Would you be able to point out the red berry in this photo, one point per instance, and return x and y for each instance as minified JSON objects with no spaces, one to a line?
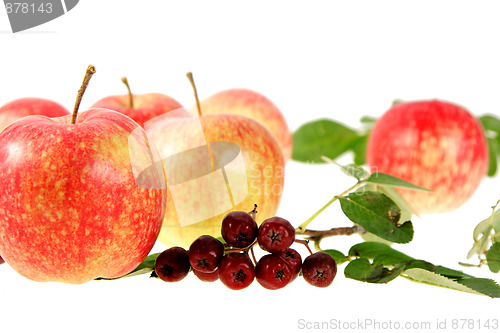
{"x":205,"y":253}
{"x":319,"y":269}
{"x":275,"y":234}
{"x":239,"y":229}
{"x":236,"y":270}
{"x":293,"y":259}
{"x":272,"y":272}
{"x":172,"y":265}
{"x":207,"y":277}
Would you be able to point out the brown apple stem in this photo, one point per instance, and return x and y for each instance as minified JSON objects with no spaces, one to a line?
{"x":190,"y":77}
{"x":130,"y":96}
{"x":88,"y":74}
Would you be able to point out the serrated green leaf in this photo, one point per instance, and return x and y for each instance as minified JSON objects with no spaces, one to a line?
{"x":388,"y":263}
{"x":321,"y":138}
{"x":385,"y":179}
{"x":428,"y":277}
{"x":361,"y":270}
{"x":484,"y":286}
{"x":377,"y":214}
{"x":493,"y":258}
{"x":339,"y":257}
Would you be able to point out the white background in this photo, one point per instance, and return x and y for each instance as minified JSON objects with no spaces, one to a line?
{"x":314,"y":59}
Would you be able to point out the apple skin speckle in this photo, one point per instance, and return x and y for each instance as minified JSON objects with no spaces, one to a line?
{"x":70,"y":209}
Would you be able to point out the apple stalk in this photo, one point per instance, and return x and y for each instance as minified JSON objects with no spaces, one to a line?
{"x":88,"y":75}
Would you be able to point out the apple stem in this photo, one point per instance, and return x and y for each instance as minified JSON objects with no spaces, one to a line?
{"x":130,"y":96}
{"x":88,"y":74}
{"x":190,"y":77}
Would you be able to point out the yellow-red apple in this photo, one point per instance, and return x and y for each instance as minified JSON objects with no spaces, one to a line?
{"x":434,"y":144}
{"x":28,"y":106}
{"x":256,"y":106}
{"x":215,"y":163}
{"x":76,"y":203}
{"x":140,"y":108}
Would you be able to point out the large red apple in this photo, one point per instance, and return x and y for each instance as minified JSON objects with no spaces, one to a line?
{"x":140,"y":108}
{"x":215,"y":163}
{"x":434,"y":144}
{"x":28,"y":106}
{"x":252,"y":104}
{"x":76,"y":203}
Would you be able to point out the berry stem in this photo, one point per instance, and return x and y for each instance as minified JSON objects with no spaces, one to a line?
{"x":342,"y":231}
{"x":130,"y":96}
{"x":88,"y":74}
{"x":253,"y":213}
{"x":304,"y":242}
{"x":304,"y":225}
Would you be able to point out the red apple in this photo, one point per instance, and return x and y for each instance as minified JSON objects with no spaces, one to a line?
{"x":434,"y":144}
{"x":28,"y":106}
{"x":140,"y":108}
{"x":241,"y":165}
{"x":73,"y":207}
{"x":256,"y":106}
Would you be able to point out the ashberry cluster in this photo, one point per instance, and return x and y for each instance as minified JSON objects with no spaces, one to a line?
{"x":234,"y":262}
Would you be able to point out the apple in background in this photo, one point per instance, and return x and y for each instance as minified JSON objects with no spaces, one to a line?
{"x":28,"y":106}
{"x":256,"y":106}
{"x":72,"y":208}
{"x":140,"y":108}
{"x":262,"y":171}
{"x":434,"y":144}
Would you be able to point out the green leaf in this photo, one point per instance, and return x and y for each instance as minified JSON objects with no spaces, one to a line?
{"x":358,"y":147}
{"x":493,"y":258}
{"x":388,"y":263}
{"x":407,"y":211}
{"x":321,"y":138}
{"x":380,"y":253}
{"x":385,"y":179}
{"x":368,"y":120}
{"x":361,"y":270}
{"x":352,"y":170}
{"x":490,"y":123}
{"x":147,"y":266}
{"x":339,"y":257}
{"x":377,"y":214}
{"x":494,"y":149}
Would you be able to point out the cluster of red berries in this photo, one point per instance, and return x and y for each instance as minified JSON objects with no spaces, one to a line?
{"x":211,"y":260}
